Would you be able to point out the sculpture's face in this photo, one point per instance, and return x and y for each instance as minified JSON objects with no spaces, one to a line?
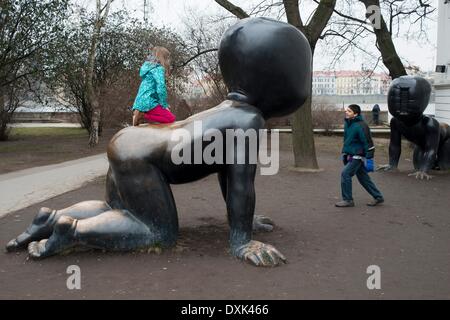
{"x":408,"y":98}
{"x":267,"y":64}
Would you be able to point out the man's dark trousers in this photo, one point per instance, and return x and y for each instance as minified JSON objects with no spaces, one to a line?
{"x":356,"y":166}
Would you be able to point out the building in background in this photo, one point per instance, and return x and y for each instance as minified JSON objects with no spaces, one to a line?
{"x":349,"y":83}
{"x":442,"y":75}
{"x":324,"y":83}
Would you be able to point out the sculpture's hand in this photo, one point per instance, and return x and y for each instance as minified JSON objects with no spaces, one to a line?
{"x":387,"y":167}
{"x":259,"y":254}
{"x":420,"y":175}
{"x":262,"y":224}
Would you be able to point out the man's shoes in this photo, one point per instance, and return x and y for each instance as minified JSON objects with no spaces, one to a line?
{"x":344,"y":203}
{"x":375,"y":202}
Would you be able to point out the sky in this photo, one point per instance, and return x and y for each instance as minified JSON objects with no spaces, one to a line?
{"x":171,"y":13}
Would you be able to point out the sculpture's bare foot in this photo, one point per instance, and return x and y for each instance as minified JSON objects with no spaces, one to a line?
{"x":260,"y":254}
{"x":61,"y":240}
{"x":262,"y":224}
{"x":40,"y":228}
{"x":420,"y":175}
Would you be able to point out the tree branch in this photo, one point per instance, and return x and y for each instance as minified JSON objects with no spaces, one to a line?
{"x":293,"y":13}
{"x":345,"y":16}
{"x":194,"y":57}
{"x":319,"y":21}
{"x":237,"y":11}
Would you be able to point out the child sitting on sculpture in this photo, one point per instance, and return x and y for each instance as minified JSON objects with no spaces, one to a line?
{"x":151,"y":104}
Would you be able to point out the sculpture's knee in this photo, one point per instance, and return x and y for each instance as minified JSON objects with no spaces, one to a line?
{"x":444,"y":156}
{"x":43,"y":215}
{"x":65,"y":226}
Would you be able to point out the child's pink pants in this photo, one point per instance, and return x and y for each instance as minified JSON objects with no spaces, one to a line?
{"x":159,"y":114}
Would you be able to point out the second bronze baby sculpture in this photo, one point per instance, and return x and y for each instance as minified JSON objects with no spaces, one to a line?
{"x":408,"y":98}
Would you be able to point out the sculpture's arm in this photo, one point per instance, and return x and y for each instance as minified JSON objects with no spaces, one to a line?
{"x":241,"y":206}
{"x":431,"y":146}
{"x":240,"y":200}
{"x":395,"y":144}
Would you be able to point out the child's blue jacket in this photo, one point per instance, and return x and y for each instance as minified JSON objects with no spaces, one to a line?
{"x":152,"y":90}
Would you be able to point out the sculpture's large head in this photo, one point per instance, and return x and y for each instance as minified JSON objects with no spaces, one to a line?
{"x":408,"y":98}
{"x":266,"y":63}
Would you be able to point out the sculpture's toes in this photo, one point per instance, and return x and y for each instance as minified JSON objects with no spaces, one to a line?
{"x":260,"y":254}
{"x":414,"y":174}
{"x":13,"y":245}
{"x":21,"y":242}
{"x":61,"y":240}
{"x":262,"y":224}
{"x":37,"y":250}
{"x":420,"y":175}
{"x":426,"y":176}
{"x":40,"y":228}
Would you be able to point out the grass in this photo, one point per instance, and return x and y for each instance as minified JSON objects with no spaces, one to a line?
{"x":24,"y":148}
{"x":33,"y":134}
{"x":40,"y":132}
{"x":32,"y":147}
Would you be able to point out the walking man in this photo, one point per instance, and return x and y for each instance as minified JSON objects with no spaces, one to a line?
{"x":357,"y":155}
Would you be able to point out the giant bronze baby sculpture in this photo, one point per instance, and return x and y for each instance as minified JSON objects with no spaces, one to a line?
{"x":408,"y":97}
{"x":266,"y":65}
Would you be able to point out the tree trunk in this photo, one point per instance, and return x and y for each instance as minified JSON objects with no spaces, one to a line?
{"x":92,"y":95}
{"x":93,"y":137}
{"x":302,"y":129}
{"x":385,"y":44}
{"x":303,"y":138}
{"x":4,"y":117}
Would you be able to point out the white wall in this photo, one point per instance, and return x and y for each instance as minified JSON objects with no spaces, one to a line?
{"x":443,"y":104}
{"x":443,"y":41}
{"x":442,"y":81}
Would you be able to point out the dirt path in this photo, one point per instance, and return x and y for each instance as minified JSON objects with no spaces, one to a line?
{"x":328,"y":249}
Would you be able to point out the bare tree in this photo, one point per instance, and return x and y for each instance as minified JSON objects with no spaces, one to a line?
{"x":383,"y":20}
{"x":28,"y":29}
{"x":303,"y":138}
{"x":383,"y":34}
{"x":9,"y":102}
{"x":121,"y":49}
{"x":201,"y":40}
{"x":326,"y":116}
{"x":91,"y":95}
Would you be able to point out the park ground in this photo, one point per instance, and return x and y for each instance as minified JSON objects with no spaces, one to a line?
{"x":34,"y":147}
{"x":328,"y":249}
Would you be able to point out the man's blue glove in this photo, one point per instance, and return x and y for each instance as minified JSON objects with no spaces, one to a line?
{"x":369,"y":165}
{"x":344,"y":159}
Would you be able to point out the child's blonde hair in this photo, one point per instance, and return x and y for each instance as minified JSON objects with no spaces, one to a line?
{"x":163,"y":56}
